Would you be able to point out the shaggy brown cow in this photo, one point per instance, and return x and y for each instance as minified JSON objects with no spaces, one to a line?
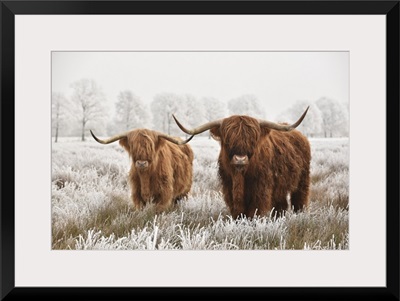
{"x":162,"y":167}
{"x":261,"y":164}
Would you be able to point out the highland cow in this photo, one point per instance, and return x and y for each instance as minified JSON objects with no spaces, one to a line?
{"x":161,"y":170}
{"x":262,"y":165}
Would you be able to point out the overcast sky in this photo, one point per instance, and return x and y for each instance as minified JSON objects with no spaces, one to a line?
{"x":277,"y":79}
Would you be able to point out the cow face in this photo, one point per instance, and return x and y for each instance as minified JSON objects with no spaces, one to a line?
{"x":239,"y":136}
{"x":142,"y":146}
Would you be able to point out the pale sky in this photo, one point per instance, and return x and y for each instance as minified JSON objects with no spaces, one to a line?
{"x":277,"y":79}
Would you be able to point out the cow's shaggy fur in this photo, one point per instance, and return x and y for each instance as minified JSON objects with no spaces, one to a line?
{"x":168,"y":174}
{"x":278,"y":167}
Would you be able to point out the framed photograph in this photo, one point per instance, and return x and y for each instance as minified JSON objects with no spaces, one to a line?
{"x":194,"y":149}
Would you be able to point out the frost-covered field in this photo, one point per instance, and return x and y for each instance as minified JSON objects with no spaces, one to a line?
{"x":92,"y":209}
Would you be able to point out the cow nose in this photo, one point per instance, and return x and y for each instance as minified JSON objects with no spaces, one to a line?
{"x":141,"y":163}
{"x":240,"y":160}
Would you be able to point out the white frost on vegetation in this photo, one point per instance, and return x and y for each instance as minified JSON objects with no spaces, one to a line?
{"x":92,"y":209}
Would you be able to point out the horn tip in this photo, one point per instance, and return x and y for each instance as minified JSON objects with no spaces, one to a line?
{"x":190,"y":138}
{"x":94,"y":137}
{"x":305,"y":112}
{"x":92,"y":134}
{"x":180,"y":125}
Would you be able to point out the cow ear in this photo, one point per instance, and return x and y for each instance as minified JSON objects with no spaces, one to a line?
{"x":124,"y":143}
{"x":159,"y":142}
{"x":215,"y":133}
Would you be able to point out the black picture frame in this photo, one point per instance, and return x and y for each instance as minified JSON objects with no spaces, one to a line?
{"x":9,"y":9}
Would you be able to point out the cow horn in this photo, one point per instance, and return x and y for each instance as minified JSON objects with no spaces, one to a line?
{"x":174,"y":140}
{"x":199,"y":129}
{"x":109,"y":140}
{"x":283,"y":127}
{"x":120,"y":136}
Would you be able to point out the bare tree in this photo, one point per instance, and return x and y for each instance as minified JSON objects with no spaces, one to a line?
{"x":162,"y":107}
{"x":246,"y":104}
{"x":214,"y":109}
{"x":59,"y":113}
{"x":312,"y":124}
{"x":193,"y":110}
{"x":190,"y":110}
{"x":88,"y":99}
{"x":335,"y":117}
{"x":131,"y":111}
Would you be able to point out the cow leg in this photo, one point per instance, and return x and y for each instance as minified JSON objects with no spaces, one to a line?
{"x":164,"y":200}
{"x":227,"y":194}
{"x":280,"y":206}
{"x":299,"y":198}
{"x":183,"y":195}
{"x":137,"y":199}
{"x":238,"y":203}
{"x":258,"y":197}
{"x":180,"y":197}
{"x":258,"y":208}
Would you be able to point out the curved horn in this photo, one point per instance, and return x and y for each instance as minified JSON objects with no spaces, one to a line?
{"x":199,"y":129}
{"x":109,"y":140}
{"x":283,"y":127}
{"x":174,"y":140}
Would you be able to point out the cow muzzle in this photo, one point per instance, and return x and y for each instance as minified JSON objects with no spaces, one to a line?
{"x":238,"y":160}
{"x":141,"y":164}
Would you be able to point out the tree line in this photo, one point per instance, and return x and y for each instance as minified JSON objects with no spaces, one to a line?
{"x":87,"y":108}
